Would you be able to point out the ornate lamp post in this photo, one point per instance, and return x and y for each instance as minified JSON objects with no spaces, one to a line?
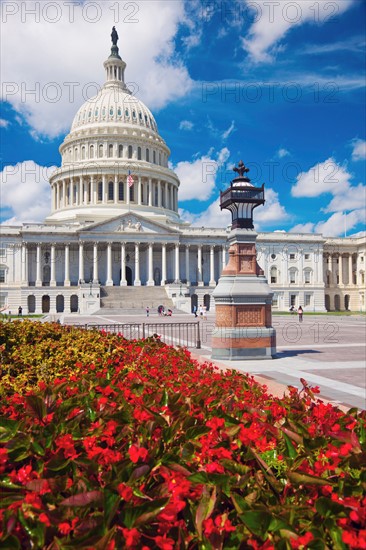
{"x":243,"y":328}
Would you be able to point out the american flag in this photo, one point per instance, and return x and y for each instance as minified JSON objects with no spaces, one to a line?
{"x":129,"y":179}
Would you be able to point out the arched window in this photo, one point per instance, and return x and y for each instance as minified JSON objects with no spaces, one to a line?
{"x":111,"y":111}
{"x":110,"y":150}
{"x":120,"y":151}
{"x":147,"y":155}
{"x":274,"y":274}
{"x":83,"y":153}
{"x":139,"y":156}
{"x":110,"y":191}
{"x":76,"y":153}
{"x":154,"y":157}
{"x":130,"y":151}
{"x":159,"y":159}
{"x":91,"y":152}
{"x":100,"y":151}
{"x":100,"y":191}
{"x":121,"y":191}
{"x":119,"y":112}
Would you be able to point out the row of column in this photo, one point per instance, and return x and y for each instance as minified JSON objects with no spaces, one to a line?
{"x":331,"y":268}
{"x":123,"y":281}
{"x":78,"y":191}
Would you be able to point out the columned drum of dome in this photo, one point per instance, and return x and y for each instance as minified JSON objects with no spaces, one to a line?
{"x":113,"y":159}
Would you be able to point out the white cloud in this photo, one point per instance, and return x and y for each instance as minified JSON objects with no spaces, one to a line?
{"x":281,"y":153}
{"x":39,"y":71}
{"x":25,"y":192}
{"x":274,"y":19}
{"x":340,"y":223}
{"x":186,"y":125}
{"x":198,"y":177}
{"x":272,"y":211}
{"x":351,"y":199}
{"x":229,"y":131}
{"x":325,"y":177}
{"x":359,"y":150}
{"x":211,"y":217}
{"x":4,"y":123}
{"x":303,"y":228}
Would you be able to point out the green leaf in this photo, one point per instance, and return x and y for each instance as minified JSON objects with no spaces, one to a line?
{"x":8,"y":429}
{"x":205,"y":507}
{"x":290,"y":448}
{"x":257,"y":522}
{"x":10,"y":543}
{"x":111,"y":503}
{"x":57,"y":463}
{"x":302,"y":479}
{"x":196,"y":432}
{"x":133,"y":516}
{"x":327,"y":507}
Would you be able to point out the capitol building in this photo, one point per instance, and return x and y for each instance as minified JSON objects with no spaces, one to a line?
{"x":114,"y":237}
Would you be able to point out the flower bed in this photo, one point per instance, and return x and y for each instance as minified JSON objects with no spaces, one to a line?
{"x":107,"y":443}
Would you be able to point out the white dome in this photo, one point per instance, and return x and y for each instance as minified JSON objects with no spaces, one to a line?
{"x":114,"y":105}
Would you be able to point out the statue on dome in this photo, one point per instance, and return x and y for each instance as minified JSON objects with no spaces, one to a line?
{"x":114,"y":36}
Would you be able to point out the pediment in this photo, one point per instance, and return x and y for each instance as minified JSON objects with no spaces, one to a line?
{"x":129,"y":223}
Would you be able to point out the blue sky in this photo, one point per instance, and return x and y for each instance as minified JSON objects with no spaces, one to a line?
{"x":279,"y":84}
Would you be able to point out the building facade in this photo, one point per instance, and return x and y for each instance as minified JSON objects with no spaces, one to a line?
{"x":114,"y":222}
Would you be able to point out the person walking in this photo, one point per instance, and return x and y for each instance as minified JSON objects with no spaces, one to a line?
{"x":20,"y":311}
{"x":300,"y":313}
{"x":195,"y":311}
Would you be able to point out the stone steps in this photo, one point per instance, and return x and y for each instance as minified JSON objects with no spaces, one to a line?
{"x":134,"y":298}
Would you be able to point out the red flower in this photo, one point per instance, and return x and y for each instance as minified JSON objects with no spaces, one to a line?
{"x":164,"y":543}
{"x":301,"y":542}
{"x":132,"y":537}
{"x":137,"y":453}
{"x":44,"y":519}
{"x":125,"y":492}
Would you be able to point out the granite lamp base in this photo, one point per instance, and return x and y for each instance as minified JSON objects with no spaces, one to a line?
{"x":239,"y":344}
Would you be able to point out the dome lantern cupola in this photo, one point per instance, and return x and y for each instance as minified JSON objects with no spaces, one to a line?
{"x":115,"y":66}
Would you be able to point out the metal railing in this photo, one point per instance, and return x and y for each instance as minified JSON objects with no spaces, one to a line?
{"x":174,"y":334}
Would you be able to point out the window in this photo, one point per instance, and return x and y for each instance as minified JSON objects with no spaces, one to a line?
{"x":154,"y":157}
{"x":120,"y":151}
{"x":292,"y":276}
{"x":91,"y":151}
{"x":292,"y":256}
{"x":110,"y":191}
{"x":83,"y":153}
{"x":274,"y":275}
{"x":293,"y":300}
{"x":110,"y":151}
{"x":275,"y":300}
{"x":2,"y":252}
{"x":3,"y":300}
{"x":100,"y":191}
{"x":307,"y":256}
{"x":2,"y":274}
{"x":130,"y":151}
{"x":139,"y":153}
{"x":121,"y":191}
{"x":307,"y":276}
{"x":132,"y":194}
{"x":100,"y":151}
{"x":273,"y":256}
{"x":147,"y":155}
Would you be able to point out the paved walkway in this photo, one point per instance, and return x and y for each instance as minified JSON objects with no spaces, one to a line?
{"x":327,"y":351}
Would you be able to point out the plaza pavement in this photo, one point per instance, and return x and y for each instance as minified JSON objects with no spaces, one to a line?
{"x":326,"y":350}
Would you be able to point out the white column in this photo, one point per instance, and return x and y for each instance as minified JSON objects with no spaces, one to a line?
{"x":81,"y":263}
{"x":137,"y":281}
{"x":38,"y":266}
{"x":95,"y":263}
{"x":67,"y":265}
{"x":177,"y":275}
{"x":94,"y":190}
{"x":166,"y":195}
{"x":139,"y":186}
{"x":104,"y":199}
{"x":123,"y":281}
{"x":24,"y":257}
{"x":150,"y":281}
{"x":63,"y":193}
{"x":187,"y":265}
{"x":199,"y":265}
{"x":163,"y":264}
{"x":150,"y":192}
{"x":350,"y":274}
{"x":85,"y":183}
{"x":212,"y":266}
{"x":109,"y":281}
{"x":159,"y":193}
{"x":340,"y":269}
{"x":53,"y":266}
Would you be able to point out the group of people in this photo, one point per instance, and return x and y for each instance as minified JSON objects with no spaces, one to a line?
{"x":164,"y":313}
{"x":202,"y":312}
{"x":299,"y":311}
